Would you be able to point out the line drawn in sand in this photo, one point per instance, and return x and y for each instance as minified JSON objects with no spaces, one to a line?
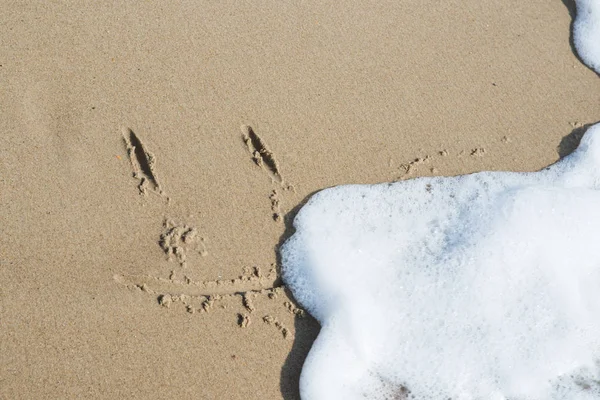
{"x":241,"y":286}
{"x":201,"y":297}
{"x":143,"y":163}
{"x":410,"y":168}
{"x":261,"y":155}
{"x":266,"y":160}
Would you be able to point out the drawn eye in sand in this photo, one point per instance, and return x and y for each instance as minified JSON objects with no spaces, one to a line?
{"x":143,"y":163}
{"x":263,"y":157}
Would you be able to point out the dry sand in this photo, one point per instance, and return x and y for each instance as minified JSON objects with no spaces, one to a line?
{"x":90,"y":303}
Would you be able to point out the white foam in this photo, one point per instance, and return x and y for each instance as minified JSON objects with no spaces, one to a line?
{"x":586,"y":32}
{"x":483,"y":286}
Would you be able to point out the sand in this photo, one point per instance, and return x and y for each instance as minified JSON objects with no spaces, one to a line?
{"x":152,"y":155}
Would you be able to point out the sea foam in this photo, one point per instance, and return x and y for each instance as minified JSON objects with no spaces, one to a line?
{"x":586,"y":32}
{"x":482,"y":286}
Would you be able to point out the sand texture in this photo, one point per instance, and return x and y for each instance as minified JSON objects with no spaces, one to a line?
{"x":153,"y":153}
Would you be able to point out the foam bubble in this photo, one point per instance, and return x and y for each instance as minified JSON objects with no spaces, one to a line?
{"x":586,"y":32}
{"x":482,"y":286}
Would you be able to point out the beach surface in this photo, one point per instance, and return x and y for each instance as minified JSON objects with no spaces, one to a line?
{"x":152,"y":156}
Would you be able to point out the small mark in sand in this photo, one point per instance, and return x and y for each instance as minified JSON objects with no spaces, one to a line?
{"x":410,"y":167}
{"x":209,"y":302}
{"x":192,"y":304}
{"x":275,"y":292}
{"x":243,"y":320}
{"x":252,"y":272}
{"x":576,"y":124}
{"x":292,"y":309}
{"x":247,"y":301}
{"x":143,"y":163}
{"x":478,"y":152}
{"x":165,"y":300}
{"x":276,"y":206}
{"x":270,"y":320}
